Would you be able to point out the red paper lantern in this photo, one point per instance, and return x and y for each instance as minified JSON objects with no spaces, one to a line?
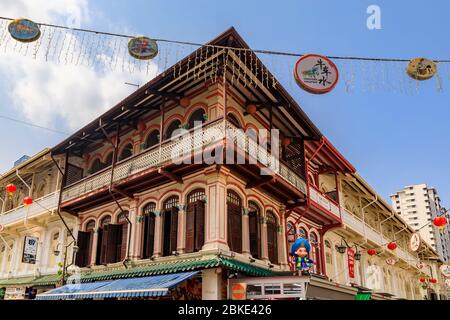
{"x":392,"y":245}
{"x":422,"y":280}
{"x":185,"y":102}
{"x":251,"y":108}
{"x":286,"y":141}
{"x":27,"y":201}
{"x":10,"y":188}
{"x":440,"y":222}
{"x":371,"y":252}
{"x":433,"y":280}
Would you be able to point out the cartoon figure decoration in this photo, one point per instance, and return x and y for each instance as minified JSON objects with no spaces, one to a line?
{"x":300,"y":251}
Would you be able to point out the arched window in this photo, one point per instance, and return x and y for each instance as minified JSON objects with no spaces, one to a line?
{"x":54,"y":240}
{"x":96,"y":166}
{"x":9,"y":255}
{"x":315,"y":251}
{"x":152,"y":139}
{"x":170,"y":223}
{"x":329,"y":259}
{"x":2,"y":257}
{"x":127,"y":152}
{"x":195,"y":220}
{"x":234,"y":219}
{"x":292,"y":236}
{"x":254,"y":216}
{"x":101,"y":244}
{"x":272,"y":237}
{"x":85,"y":242}
{"x":122,"y":238}
{"x":196,"y":118}
{"x":149,"y":229}
{"x":302,"y":233}
{"x":174,"y":125}
{"x":234,"y":120}
{"x":109,"y":159}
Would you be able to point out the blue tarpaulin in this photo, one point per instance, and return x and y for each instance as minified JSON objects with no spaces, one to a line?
{"x":154,"y":286}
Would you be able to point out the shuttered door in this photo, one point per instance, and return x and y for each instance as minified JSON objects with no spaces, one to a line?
{"x":234,"y":227}
{"x":272,"y":242}
{"x":149,"y":231}
{"x":255,"y":235}
{"x":173,"y":229}
{"x":199,"y":225}
{"x":123,"y":241}
{"x":90,"y":246}
{"x":190,"y":227}
{"x":99,"y":257}
{"x":104,"y":243}
{"x":111,"y":237}
{"x":166,"y":240}
{"x":83,"y":251}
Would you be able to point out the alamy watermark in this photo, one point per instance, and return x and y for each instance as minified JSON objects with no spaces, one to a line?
{"x":374,"y":20}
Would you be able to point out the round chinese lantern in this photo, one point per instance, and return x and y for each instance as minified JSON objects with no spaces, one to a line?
{"x":433,"y":280}
{"x":286,"y":141}
{"x":27,"y":201}
{"x":392,"y":245}
{"x":251,"y":108}
{"x":371,"y":252}
{"x":422,"y":280}
{"x":185,"y":102}
{"x":10,"y":189}
{"x":440,"y":222}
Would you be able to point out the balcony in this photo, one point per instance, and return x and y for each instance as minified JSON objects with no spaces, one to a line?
{"x":324,"y":202}
{"x":357,"y":225}
{"x":212,"y":133}
{"x":39,"y":206}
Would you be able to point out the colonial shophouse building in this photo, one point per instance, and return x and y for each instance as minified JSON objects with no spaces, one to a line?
{"x":167,"y":210}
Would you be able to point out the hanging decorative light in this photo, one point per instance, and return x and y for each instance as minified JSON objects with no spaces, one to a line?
{"x":421,"y":69}
{"x":433,"y":280}
{"x":27,"y":201}
{"x":371,"y":252}
{"x":10,"y":190}
{"x":440,"y":222}
{"x":251,"y":108}
{"x":286,"y":141}
{"x":142,"y":48}
{"x":422,"y":280}
{"x":185,"y":102}
{"x":392,"y":245}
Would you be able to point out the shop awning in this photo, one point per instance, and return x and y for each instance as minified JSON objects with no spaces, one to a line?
{"x":155,"y":286}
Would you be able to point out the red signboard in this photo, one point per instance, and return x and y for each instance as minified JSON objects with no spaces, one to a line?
{"x":351,"y":262}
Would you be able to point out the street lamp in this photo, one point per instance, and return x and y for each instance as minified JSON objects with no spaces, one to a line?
{"x":342,"y":248}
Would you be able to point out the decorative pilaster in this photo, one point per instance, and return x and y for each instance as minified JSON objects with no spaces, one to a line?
{"x":95,"y":248}
{"x":157,"y":250}
{"x":282,"y":245}
{"x":264,"y":249}
{"x":181,"y":235}
{"x":133,"y":246}
{"x":245,"y":232}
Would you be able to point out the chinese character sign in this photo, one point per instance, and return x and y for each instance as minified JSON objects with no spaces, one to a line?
{"x":30,"y":250}
{"x":316,"y":74}
{"x":351,"y":263}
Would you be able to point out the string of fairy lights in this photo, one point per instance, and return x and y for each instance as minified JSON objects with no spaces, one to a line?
{"x":114,"y":52}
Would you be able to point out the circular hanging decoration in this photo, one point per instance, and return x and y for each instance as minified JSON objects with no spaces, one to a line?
{"x":286,"y":141}
{"x":142,"y":48}
{"x":251,"y":108}
{"x":391,"y":261}
{"x":185,"y":102}
{"x":24,"y":30}
{"x":414,"y":242}
{"x":440,"y":222}
{"x":27,"y":201}
{"x":445,"y":270}
{"x":433,"y":280}
{"x":422,"y":280}
{"x":11,"y":189}
{"x":421,"y":69}
{"x":392,"y":245}
{"x":371,"y":252}
{"x":316,"y":74}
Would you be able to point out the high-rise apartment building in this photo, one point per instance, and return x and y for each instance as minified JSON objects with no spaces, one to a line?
{"x":419,"y":205}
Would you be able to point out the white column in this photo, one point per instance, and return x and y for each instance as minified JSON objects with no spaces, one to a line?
{"x":212,"y":284}
{"x":157,"y":250}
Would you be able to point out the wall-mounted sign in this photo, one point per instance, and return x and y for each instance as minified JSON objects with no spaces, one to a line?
{"x":421,"y":69}
{"x":239,"y":291}
{"x":24,"y":30}
{"x":30,"y":250}
{"x":414,"y":242}
{"x":445,"y":270}
{"x":351,"y":263}
{"x":316,"y":74}
{"x":391,"y":261}
{"x":142,"y":48}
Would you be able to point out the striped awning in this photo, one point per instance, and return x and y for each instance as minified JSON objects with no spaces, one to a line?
{"x":155,"y":286}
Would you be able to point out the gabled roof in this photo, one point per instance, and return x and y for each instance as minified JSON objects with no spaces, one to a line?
{"x":148,"y":98}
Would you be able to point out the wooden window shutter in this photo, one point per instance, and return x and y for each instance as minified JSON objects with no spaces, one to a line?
{"x":90,"y":246}
{"x":111,"y":236}
{"x":255,"y":235}
{"x":149,"y":232}
{"x":173,"y":229}
{"x":99,"y":257}
{"x":190,"y":227}
{"x":103,"y":259}
{"x":272,"y":242}
{"x":234,"y":227}
{"x":123,"y":241}
{"x":83,"y":245}
{"x":199,"y":225}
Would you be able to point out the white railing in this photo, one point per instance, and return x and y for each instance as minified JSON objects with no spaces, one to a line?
{"x":39,"y":206}
{"x":324,"y":202}
{"x":198,"y":139}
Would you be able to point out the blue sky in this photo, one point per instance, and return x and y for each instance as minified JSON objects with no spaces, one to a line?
{"x":393,"y":139}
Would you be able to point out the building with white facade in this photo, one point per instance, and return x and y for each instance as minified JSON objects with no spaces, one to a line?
{"x":419,"y":205}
